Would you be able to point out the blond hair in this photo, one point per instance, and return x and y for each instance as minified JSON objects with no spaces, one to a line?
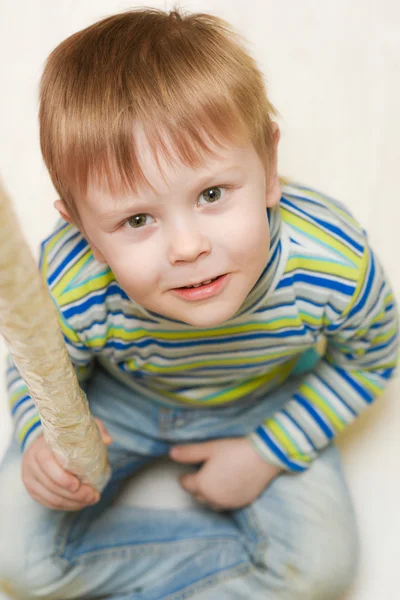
{"x":183,"y":77}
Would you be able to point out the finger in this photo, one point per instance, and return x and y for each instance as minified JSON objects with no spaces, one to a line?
{"x":53,"y":501}
{"x":191,"y":453}
{"x":189,"y":483}
{"x":107,"y":439}
{"x":57,"y":474}
{"x":84,"y":495}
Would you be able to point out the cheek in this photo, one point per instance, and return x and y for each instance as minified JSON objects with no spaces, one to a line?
{"x":136,"y":267}
{"x":247,"y":234}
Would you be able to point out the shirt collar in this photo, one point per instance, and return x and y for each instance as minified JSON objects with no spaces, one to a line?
{"x":268,"y":279}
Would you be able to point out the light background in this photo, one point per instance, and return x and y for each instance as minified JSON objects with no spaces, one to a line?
{"x":333,"y":72}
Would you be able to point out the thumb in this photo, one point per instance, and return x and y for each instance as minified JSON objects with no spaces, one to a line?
{"x":107,"y":439}
{"x":191,"y":453}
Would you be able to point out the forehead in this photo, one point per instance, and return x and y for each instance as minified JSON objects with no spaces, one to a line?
{"x":162,"y":166}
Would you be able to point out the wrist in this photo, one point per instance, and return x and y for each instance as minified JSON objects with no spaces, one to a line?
{"x":263,"y":452}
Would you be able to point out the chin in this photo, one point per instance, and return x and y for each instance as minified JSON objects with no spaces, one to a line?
{"x":207,"y":318}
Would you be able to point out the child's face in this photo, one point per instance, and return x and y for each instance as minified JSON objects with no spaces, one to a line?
{"x":201,"y":224}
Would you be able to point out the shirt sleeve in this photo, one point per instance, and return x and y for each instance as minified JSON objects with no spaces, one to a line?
{"x":361,"y":355}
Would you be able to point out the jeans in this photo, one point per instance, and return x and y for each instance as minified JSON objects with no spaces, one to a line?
{"x":297,"y":540}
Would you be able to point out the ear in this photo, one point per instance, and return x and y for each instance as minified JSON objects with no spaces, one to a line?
{"x":273,"y":188}
{"x":62,"y":209}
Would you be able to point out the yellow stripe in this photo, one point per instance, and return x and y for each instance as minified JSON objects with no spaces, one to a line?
{"x":48,"y":247}
{"x":307,"y":391}
{"x":67,"y":330}
{"x":370,"y":385}
{"x":362,"y":271}
{"x":238,"y":391}
{"x":81,"y":291}
{"x":14,"y":398}
{"x":154,"y":368}
{"x":22,"y":432}
{"x":70,"y":274}
{"x":333,"y":206}
{"x":321,"y":266}
{"x":383,"y":337}
{"x":215,"y":362}
{"x":285,"y":441}
{"x":310,"y":319}
{"x":138,"y":333}
{"x":131,"y":364}
{"x":325,"y":238}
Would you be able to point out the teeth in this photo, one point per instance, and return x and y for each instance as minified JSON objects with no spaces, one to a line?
{"x":200,"y":284}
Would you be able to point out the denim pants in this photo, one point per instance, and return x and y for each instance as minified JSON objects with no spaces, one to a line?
{"x":297,"y":540}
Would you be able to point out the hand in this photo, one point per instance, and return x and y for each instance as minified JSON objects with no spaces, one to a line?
{"x":233,"y":473}
{"x":49,"y":484}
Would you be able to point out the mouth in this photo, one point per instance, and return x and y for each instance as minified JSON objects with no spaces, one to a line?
{"x":204,"y":290}
{"x":197,"y":285}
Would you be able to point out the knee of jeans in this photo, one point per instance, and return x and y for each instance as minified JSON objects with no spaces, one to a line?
{"x":316,"y":559}
{"x":24,"y":578}
{"x":328,"y":564}
{"x":26,"y":564}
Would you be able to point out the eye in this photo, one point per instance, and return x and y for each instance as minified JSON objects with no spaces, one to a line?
{"x":212,"y":194}
{"x":138,"y":221}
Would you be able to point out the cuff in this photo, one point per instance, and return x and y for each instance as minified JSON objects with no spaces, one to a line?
{"x":31,"y":432}
{"x":273,"y":451}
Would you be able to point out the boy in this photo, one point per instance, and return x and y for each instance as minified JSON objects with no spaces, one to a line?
{"x":193,"y":293}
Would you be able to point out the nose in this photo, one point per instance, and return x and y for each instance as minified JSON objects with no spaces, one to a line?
{"x":187,"y":243}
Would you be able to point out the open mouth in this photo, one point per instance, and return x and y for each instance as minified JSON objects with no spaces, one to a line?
{"x":204,"y":290}
{"x":188,"y":287}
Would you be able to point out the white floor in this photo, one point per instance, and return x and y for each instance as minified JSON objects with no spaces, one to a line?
{"x":333,"y":72}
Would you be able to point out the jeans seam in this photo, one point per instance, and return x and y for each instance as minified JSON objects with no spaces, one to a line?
{"x":126,"y":552}
{"x":208,"y":581}
{"x":61,"y":536}
{"x":258,"y":554}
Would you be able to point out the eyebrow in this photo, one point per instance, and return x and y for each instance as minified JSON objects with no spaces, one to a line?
{"x":199,"y":183}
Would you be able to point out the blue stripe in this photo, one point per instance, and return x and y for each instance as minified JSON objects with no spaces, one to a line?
{"x":268,"y":362}
{"x":67,"y":260}
{"x":71,"y":285}
{"x":49,"y":238}
{"x":143,"y":343}
{"x":18,"y":404}
{"x":282,"y":457}
{"x":63,"y":225}
{"x":387,"y":344}
{"x":332,"y":228}
{"x":297,"y":425}
{"x":316,"y":202}
{"x":360,"y":390}
{"x":317,"y":281}
{"x":386,"y":373}
{"x":310,"y":409}
{"x":330,"y":388}
{"x":363,"y":299}
{"x":30,"y":408}
{"x":99,"y":298}
{"x":299,"y":299}
{"x":28,"y":433}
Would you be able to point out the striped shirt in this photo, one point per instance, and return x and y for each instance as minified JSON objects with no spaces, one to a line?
{"x":321,"y":279}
